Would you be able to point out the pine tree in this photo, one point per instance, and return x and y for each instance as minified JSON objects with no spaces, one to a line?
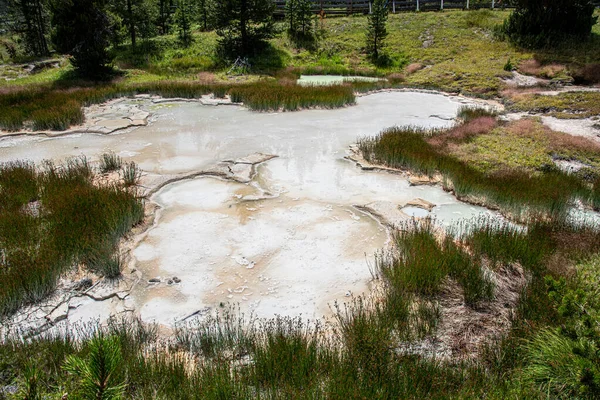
{"x":305,"y":16}
{"x":376,"y":29}
{"x":165,"y":16}
{"x":28,"y":18}
{"x":83,"y":30}
{"x":299,"y":17}
{"x":97,"y":372}
{"x":137,"y":17}
{"x":205,"y":14}
{"x":243,"y":26}
{"x":290,"y":16}
{"x":183,"y":18}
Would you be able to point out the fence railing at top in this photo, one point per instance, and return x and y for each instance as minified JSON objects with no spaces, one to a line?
{"x":347,"y":7}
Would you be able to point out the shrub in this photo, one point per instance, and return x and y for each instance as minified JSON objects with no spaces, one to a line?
{"x":588,"y":74}
{"x":131,"y":174}
{"x":110,"y":162}
{"x":538,"y":23}
{"x":561,"y":366}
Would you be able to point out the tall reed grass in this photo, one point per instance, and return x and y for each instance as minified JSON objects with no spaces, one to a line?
{"x":52,"y":218}
{"x":368,"y":351}
{"x":274,"y":97}
{"x":422,"y":263}
{"x":110,"y":162}
{"x":48,"y":108}
{"x":519,"y":193}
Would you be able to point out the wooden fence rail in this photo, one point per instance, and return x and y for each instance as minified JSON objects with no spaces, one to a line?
{"x":348,"y":7}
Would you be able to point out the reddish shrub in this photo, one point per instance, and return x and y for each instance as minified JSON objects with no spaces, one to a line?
{"x":465,"y":131}
{"x":414,"y":67}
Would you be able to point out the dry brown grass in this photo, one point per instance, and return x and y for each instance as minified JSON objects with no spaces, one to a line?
{"x":557,"y":142}
{"x":464,"y":331}
{"x":524,"y":126}
{"x":516,"y":94}
{"x":558,"y":264}
{"x":396,"y":77}
{"x":287,"y":81}
{"x":535,"y":68}
{"x":589,"y":74}
{"x":464,"y":132}
{"x":206,"y":77}
{"x":414,"y":67}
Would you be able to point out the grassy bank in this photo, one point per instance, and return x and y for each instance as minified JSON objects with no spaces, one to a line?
{"x":365,"y":352}
{"x":509,"y":166}
{"x":56,"y":109}
{"x":564,"y":105}
{"x":52,"y":218}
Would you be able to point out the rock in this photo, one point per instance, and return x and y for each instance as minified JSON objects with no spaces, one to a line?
{"x":419,"y":180}
{"x":520,"y":80}
{"x":562,"y":81}
{"x":170,"y":282}
{"x":386,"y":212}
{"x":32,"y":208}
{"x":418,"y":202}
{"x":176,"y":279}
{"x":9,"y":389}
{"x":570,"y":166}
{"x":241,"y":260}
{"x":154,"y":280}
{"x":42,"y":65}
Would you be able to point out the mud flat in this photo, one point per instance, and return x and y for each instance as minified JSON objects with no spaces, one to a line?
{"x":256,"y":209}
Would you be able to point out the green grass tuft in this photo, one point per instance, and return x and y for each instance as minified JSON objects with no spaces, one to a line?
{"x":52,"y":219}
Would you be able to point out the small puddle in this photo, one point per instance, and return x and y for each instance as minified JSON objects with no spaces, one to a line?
{"x":416,"y":212}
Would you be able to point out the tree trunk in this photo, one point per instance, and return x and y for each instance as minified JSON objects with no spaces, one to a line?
{"x":42,"y":44}
{"x":204,"y":15}
{"x":243,"y":25}
{"x":131,"y":23}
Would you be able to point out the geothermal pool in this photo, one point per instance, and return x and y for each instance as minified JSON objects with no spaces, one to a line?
{"x":289,"y":240}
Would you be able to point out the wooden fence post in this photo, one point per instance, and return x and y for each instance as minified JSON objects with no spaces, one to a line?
{"x":493,"y":4}
{"x":370,"y":10}
{"x":442,"y":5}
{"x":394,"y":6}
{"x":467,"y":4}
{"x":418,"y":5}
